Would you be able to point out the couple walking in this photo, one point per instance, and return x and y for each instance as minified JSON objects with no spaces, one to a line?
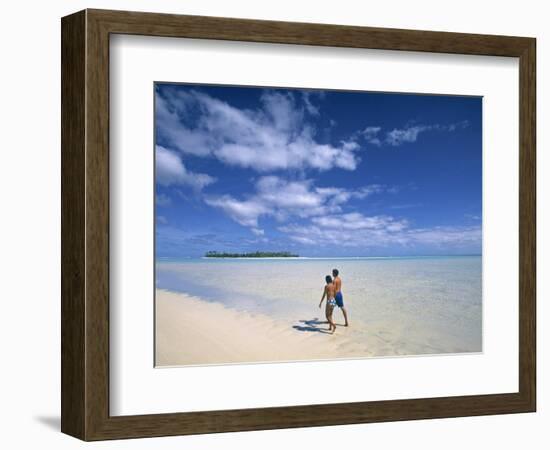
{"x":333,"y":294}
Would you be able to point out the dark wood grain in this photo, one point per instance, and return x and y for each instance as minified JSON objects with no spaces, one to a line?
{"x":151,"y":24}
{"x":527,"y":224}
{"x":73,"y":226}
{"x":85,"y":224}
{"x":97,"y":225}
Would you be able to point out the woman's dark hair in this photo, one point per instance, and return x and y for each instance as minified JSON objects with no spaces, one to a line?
{"x":335,"y":272}
{"x":328,"y":279}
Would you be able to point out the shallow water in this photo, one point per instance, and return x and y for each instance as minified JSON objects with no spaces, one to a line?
{"x":397,"y":306}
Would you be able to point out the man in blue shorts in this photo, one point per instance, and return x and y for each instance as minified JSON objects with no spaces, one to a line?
{"x":339,"y":297}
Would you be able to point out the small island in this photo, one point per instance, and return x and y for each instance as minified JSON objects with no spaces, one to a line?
{"x":214,"y":254}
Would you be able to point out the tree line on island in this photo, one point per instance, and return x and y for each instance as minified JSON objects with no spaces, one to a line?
{"x":257,"y":254}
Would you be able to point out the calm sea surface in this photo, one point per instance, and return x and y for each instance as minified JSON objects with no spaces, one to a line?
{"x":413,"y":305}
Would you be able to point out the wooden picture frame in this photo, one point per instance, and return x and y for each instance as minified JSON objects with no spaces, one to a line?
{"x":85,"y":224}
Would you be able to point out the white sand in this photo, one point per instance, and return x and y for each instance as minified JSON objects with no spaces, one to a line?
{"x":192,"y":331}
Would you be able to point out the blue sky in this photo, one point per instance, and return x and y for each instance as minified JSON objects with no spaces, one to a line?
{"x":318,"y":173}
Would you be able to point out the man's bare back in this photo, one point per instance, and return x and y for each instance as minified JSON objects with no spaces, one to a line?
{"x":337,"y":284}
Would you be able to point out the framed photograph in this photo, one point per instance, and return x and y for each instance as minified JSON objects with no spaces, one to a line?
{"x":274,"y":225}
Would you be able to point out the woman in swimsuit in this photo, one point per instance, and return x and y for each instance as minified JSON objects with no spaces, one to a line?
{"x":329,"y":292}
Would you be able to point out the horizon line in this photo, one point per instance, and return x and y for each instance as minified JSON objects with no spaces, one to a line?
{"x":333,"y":257}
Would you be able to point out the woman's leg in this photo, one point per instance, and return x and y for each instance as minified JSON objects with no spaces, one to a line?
{"x":330,"y":321}
{"x":328,"y":314}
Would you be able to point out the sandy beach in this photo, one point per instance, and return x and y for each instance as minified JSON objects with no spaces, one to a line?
{"x":218,"y":312}
{"x":192,"y":331}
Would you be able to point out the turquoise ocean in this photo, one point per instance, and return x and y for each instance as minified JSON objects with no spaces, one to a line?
{"x":396,"y":305}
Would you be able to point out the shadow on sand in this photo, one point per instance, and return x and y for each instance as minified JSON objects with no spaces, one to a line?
{"x":312,"y":325}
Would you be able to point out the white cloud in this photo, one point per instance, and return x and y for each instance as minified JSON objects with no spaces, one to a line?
{"x":283,"y":199}
{"x":167,"y":122}
{"x":310,"y":107}
{"x":162,"y":200}
{"x":244,"y":212}
{"x":350,"y":229}
{"x":357,"y":221}
{"x":357,"y":230}
{"x":370,"y":134}
{"x":169,"y":170}
{"x":408,"y":134}
{"x":406,"y":206}
{"x":454,"y":126}
{"x":289,"y":195}
{"x":400,"y":136}
{"x":274,"y":137}
{"x":274,"y":197}
{"x":162,"y":220}
{"x":339,"y":195}
{"x":303,"y":240}
{"x":472,"y":216}
{"x":446,"y":235}
{"x":258,"y":231}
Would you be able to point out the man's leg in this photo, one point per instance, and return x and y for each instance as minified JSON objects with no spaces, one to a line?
{"x":345,"y":316}
{"x":340,"y":303}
